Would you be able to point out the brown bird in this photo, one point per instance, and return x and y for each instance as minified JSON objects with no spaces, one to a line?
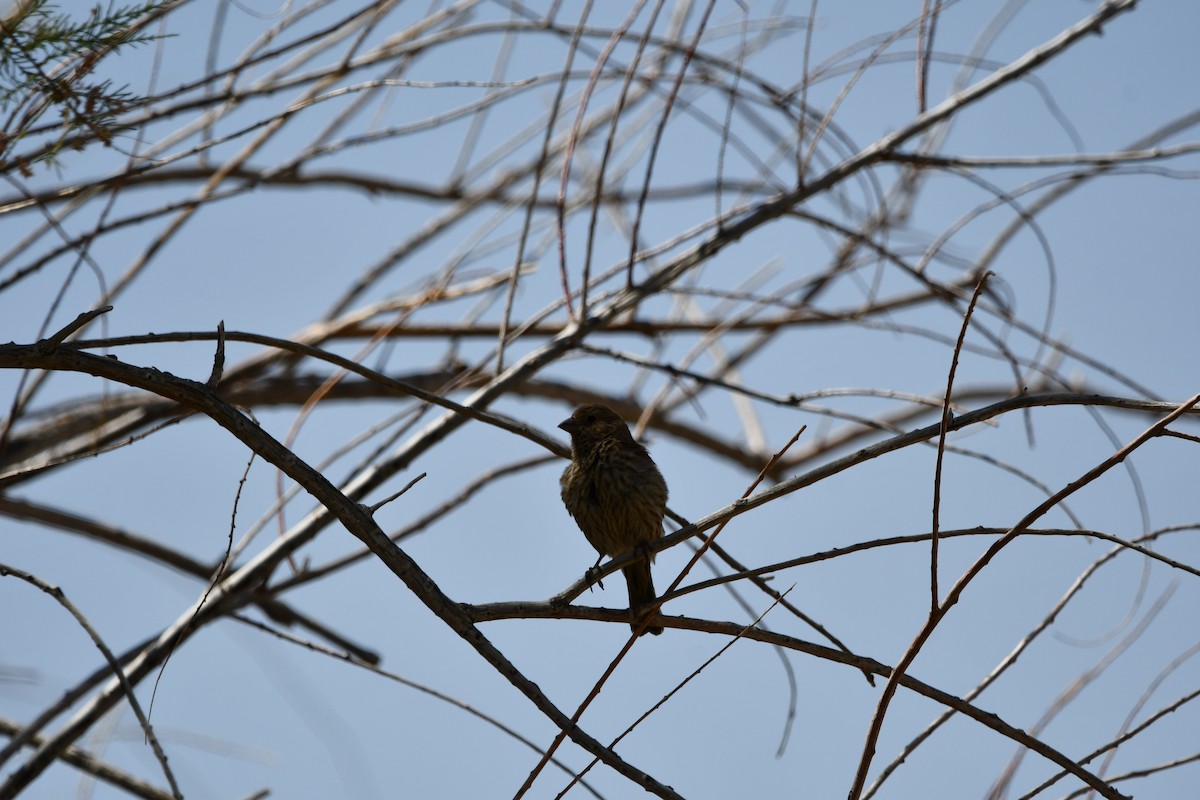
{"x":616,"y":494}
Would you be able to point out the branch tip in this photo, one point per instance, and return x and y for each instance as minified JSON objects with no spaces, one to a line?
{"x":74,"y":325}
{"x":218,"y":368}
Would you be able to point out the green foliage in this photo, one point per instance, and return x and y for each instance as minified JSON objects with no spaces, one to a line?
{"x":47,"y":64}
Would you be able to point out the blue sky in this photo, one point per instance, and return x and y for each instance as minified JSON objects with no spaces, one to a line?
{"x":239,"y":711}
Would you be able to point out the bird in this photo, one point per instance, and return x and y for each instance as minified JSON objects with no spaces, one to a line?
{"x":617,"y":496}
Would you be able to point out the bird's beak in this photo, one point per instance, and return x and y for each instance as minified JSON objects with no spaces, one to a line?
{"x":569,"y":425}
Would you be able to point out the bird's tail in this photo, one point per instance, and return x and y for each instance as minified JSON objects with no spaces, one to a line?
{"x":641,"y":594}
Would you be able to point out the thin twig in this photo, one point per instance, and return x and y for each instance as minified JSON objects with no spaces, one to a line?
{"x":117,"y":670}
{"x":943,"y":428}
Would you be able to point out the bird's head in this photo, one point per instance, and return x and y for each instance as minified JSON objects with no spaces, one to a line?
{"x":592,"y":423}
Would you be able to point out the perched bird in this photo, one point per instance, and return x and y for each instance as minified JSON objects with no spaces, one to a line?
{"x":616,"y":494}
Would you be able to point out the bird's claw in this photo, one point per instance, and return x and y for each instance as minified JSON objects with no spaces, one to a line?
{"x":592,"y":577}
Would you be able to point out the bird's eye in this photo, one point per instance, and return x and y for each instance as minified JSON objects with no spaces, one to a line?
{"x":588,"y":419}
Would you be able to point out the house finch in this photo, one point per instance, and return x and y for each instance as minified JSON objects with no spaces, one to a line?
{"x":616,"y":495}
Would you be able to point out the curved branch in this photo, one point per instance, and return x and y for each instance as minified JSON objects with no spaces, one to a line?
{"x":499,"y":611}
